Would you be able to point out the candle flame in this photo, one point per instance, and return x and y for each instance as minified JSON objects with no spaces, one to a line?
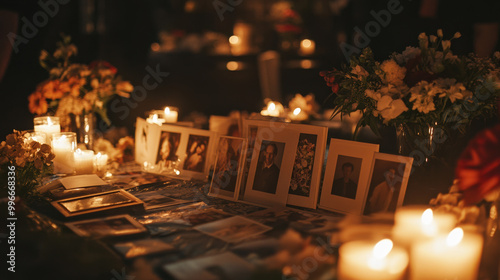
{"x":98,"y":155}
{"x":297,"y":111}
{"x":167,"y":110}
{"x":78,"y":151}
{"x":427,"y":217}
{"x":382,"y":248}
{"x":234,"y":39}
{"x":271,"y":106}
{"x":306,"y":43}
{"x":49,"y":121}
{"x":454,"y":237}
{"x":155,"y":118}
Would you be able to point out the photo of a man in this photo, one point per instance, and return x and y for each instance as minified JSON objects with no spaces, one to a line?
{"x":345,"y":182}
{"x":268,"y":171}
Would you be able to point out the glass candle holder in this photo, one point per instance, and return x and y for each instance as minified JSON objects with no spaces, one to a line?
{"x":63,"y":147}
{"x":84,"y":161}
{"x":37,"y":136}
{"x":47,"y":125}
{"x":170,"y":114}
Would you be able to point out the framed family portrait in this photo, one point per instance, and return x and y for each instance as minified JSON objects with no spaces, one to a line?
{"x":110,"y":226}
{"x":388,"y":181}
{"x":188,"y":150}
{"x":286,"y":162}
{"x":347,"y":173}
{"x":104,"y":201}
{"x":228,"y":167}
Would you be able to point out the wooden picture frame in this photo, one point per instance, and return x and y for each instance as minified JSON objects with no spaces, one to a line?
{"x":347,"y":172}
{"x":388,"y":182}
{"x":93,"y":203}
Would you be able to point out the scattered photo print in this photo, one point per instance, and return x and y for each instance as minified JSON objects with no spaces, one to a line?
{"x":280,"y":217}
{"x":217,"y":267}
{"x":157,"y":199}
{"x":302,"y":172}
{"x":110,"y":226}
{"x":196,"y":153}
{"x":94,"y":202}
{"x":233,"y":229}
{"x":142,"y":247}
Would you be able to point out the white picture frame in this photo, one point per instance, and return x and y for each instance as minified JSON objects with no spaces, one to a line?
{"x":228,"y":167}
{"x":389,"y":177}
{"x":190,"y":152}
{"x":351,"y":187}
{"x":291,"y":135}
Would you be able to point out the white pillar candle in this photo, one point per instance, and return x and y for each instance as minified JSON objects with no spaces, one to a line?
{"x":365,"y":259}
{"x":170,"y":114}
{"x":156,"y":118}
{"x":413,"y":223}
{"x":453,"y":256}
{"x":84,"y":161}
{"x":63,"y":146}
{"x":100,"y":162}
{"x":47,"y":125}
{"x":273,"y":109}
{"x":307,"y":47}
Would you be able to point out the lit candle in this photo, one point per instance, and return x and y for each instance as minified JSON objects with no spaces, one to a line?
{"x":100,"y":161}
{"x":84,"y":161}
{"x":47,"y":125}
{"x":37,"y":136}
{"x":298,"y":115}
{"x":273,"y":109}
{"x":235,"y":43}
{"x":307,"y":47}
{"x":170,"y":114}
{"x":413,"y":223}
{"x":63,"y":146}
{"x":452,"y":256}
{"x":364,"y":259}
{"x":156,"y":117}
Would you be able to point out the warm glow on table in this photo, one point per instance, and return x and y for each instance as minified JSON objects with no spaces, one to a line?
{"x":365,"y":259}
{"x":453,"y":256}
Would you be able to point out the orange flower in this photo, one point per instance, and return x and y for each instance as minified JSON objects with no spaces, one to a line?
{"x":52,"y":90}
{"x":37,"y":103}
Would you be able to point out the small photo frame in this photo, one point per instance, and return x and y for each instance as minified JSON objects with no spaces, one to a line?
{"x":295,"y":152}
{"x":110,"y":226}
{"x":188,"y":150}
{"x":104,"y":201}
{"x":233,"y":229}
{"x":388,"y":181}
{"x":228,"y":167}
{"x":347,"y":174}
{"x":143,"y":247}
{"x":157,"y":199}
{"x":142,"y":140}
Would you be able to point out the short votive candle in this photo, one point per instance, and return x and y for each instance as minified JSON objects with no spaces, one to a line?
{"x":84,"y":161}
{"x":47,"y":125}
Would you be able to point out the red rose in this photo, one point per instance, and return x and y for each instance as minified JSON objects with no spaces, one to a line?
{"x":478,"y":169}
{"x":103,"y":64}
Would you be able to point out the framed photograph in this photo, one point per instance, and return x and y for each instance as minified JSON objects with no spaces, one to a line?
{"x":226,"y":265}
{"x":188,"y":150}
{"x":388,"y":181}
{"x":233,"y":229}
{"x":142,"y":247}
{"x":286,"y":163}
{"x":157,"y":199}
{"x":142,"y":142}
{"x":228,"y":167}
{"x":111,"y":226}
{"x":345,"y":184}
{"x":104,"y":201}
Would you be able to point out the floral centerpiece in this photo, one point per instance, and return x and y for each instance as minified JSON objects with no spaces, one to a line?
{"x":25,"y":161}
{"x":422,"y":89}
{"x":74,"y":88}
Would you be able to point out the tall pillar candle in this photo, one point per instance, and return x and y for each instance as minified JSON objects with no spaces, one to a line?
{"x":63,"y":146}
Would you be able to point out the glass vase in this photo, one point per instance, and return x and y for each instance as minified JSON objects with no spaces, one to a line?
{"x":421,"y":142}
{"x":83,"y":125}
{"x":490,"y":262}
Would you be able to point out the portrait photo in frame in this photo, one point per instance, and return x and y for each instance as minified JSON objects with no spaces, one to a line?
{"x":228,"y":167}
{"x":388,"y":181}
{"x":189,"y":150}
{"x":347,"y":173}
{"x":300,"y":161}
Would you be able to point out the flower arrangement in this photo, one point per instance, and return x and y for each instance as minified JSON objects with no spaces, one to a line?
{"x":75,"y":88}
{"x":423,"y":86}
{"x":28,"y":160}
{"x":300,"y":183}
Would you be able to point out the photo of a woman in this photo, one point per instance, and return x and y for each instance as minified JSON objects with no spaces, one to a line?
{"x":196,"y":152}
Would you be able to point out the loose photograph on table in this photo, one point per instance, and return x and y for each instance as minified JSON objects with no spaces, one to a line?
{"x":347,"y":173}
{"x":233,"y":229}
{"x":388,"y":182}
{"x":228,"y":169}
{"x":110,"y":226}
{"x":117,"y":199}
{"x":226,"y":265}
{"x":157,"y":199}
{"x":142,"y":247}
